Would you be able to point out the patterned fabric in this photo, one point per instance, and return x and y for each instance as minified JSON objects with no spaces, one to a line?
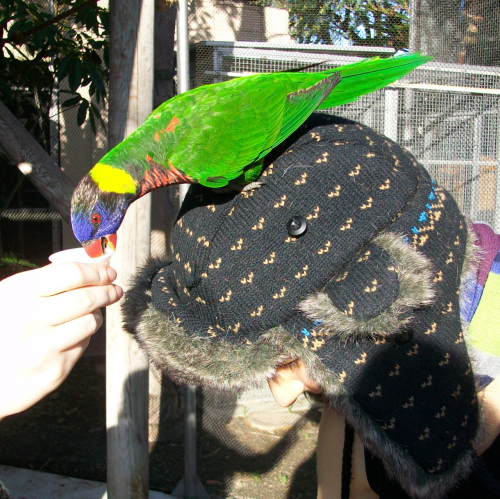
{"x":368,"y":296}
{"x":489,"y":244}
{"x":482,"y":310}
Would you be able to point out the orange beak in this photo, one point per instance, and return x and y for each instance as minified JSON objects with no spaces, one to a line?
{"x":111,"y":241}
{"x":95,"y":247}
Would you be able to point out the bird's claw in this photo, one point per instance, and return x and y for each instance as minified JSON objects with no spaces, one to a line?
{"x":252,"y":185}
{"x":232,"y":187}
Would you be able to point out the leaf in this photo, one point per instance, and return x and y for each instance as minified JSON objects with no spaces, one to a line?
{"x":97,"y":113}
{"x":62,"y":68}
{"x":38,"y":40}
{"x":82,"y":113}
{"x":94,"y":56}
{"x":5,"y":15}
{"x":75,"y":74}
{"x":50,"y":51}
{"x":18,"y":26}
{"x":95,"y":76}
{"x":104,"y":17}
{"x":92,"y":122}
{"x":72,"y":102}
{"x":106,"y":55}
{"x":91,"y":21}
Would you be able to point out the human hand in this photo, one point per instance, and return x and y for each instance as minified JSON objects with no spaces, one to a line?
{"x":290,"y":381}
{"x":48,"y":316}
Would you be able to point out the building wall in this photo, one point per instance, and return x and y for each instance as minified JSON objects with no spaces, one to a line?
{"x":223,"y":20}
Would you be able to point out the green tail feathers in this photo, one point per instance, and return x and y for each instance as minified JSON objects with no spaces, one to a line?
{"x":369,"y":75}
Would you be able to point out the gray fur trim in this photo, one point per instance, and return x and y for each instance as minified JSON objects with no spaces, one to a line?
{"x":138,"y":296}
{"x":398,"y":464}
{"x":474,"y":254}
{"x":472,"y":260}
{"x":416,"y":289}
{"x":4,"y":493}
{"x":192,"y":359}
{"x":196,"y":360}
{"x":473,"y":257}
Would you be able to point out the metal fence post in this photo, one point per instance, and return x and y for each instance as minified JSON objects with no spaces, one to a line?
{"x":391,"y":113}
{"x":190,"y":486}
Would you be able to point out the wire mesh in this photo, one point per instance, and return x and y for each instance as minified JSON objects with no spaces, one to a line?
{"x":445,"y":113}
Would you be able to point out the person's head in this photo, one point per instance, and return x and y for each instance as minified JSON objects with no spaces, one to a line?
{"x":348,"y":258}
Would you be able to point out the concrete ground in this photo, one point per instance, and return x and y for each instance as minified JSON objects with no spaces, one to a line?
{"x":29,"y":484}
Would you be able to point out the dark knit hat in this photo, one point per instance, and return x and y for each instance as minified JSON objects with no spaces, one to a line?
{"x":349,"y":257}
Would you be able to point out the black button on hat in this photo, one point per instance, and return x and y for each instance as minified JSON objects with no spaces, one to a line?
{"x":296,"y":226}
{"x":405,"y":336}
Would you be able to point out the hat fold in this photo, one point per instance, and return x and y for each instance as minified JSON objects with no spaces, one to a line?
{"x":376,"y":293}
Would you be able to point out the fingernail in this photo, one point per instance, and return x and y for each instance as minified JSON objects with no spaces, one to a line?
{"x":119,"y":291}
{"x":111,"y":273}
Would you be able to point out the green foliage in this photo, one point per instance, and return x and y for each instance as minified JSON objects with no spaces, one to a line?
{"x":283,"y":478}
{"x":11,"y":260}
{"x":362,"y":22}
{"x":40,"y":48}
{"x":382,"y":23}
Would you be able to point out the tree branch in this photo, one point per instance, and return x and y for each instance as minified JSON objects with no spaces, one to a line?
{"x":41,"y":169}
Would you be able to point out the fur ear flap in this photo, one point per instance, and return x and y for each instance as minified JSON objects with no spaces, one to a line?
{"x":376,"y":293}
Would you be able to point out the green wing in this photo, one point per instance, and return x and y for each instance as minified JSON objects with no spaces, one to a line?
{"x":236,"y":125}
{"x":369,"y":75}
{"x":217,"y":132}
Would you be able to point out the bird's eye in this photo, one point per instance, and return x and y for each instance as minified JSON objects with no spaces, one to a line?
{"x":96,"y":218}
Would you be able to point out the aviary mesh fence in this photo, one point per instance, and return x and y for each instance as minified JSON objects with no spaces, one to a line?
{"x":446,"y":113}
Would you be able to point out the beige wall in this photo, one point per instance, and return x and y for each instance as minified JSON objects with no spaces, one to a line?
{"x":221,"y":20}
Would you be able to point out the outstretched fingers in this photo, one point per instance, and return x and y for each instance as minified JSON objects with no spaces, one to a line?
{"x":77,"y":303}
{"x":76,"y":332}
{"x":54,"y":279}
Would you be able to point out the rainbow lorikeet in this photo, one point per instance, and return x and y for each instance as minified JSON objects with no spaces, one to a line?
{"x":216,"y":135}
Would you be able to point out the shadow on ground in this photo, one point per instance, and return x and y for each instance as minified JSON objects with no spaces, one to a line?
{"x":66,"y":434}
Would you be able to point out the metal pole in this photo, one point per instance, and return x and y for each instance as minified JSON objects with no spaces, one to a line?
{"x":190,"y":444}
{"x":414,"y":35}
{"x":55,"y":146}
{"x":182,"y":62}
{"x":190,"y":414}
{"x":496,"y":216}
{"x":391,"y":113}
{"x":182,"y":48}
{"x":476,"y":168}
{"x":192,"y":487}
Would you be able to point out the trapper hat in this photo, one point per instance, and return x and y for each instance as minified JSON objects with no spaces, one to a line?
{"x":350,"y":257}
